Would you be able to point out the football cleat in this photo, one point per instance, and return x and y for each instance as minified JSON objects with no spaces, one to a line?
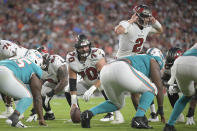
{"x":153,"y":118}
{"x":108,"y":117}
{"x":85,"y":119}
{"x":9,"y":110}
{"x":181,"y":118}
{"x":140,"y":123}
{"x":118,"y":118}
{"x":32,"y":117}
{"x":49,"y":116}
{"x":169,"y":128}
{"x":19,"y":124}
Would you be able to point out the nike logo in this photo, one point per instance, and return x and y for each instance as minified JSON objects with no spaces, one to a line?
{"x":137,"y":123}
{"x":87,"y":115}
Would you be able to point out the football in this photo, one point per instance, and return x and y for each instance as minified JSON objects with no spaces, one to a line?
{"x":75,"y":114}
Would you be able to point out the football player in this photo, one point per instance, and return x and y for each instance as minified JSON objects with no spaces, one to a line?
{"x":9,"y":49}
{"x":184,"y":72}
{"x":130,"y":74}
{"x":21,"y":71}
{"x":86,"y":62}
{"x":132,"y":35}
{"x":173,"y":90}
{"x":55,"y":79}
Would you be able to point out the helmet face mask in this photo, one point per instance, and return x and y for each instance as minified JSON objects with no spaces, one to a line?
{"x":45,"y":56}
{"x":172,"y":54}
{"x":35,"y":57}
{"x":83,"y":46}
{"x":144,"y":15}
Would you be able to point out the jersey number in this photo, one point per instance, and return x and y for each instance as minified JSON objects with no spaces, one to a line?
{"x":21,"y":62}
{"x":91,"y":73}
{"x":137,"y":47}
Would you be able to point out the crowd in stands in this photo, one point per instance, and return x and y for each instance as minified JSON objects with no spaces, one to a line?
{"x":55,"y":23}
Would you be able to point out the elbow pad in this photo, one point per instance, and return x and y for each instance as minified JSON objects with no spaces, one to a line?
{"x":72,"y":84}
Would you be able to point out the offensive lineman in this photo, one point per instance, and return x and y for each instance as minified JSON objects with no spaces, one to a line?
{"x":184,"y":72}
{"x":55,"y":79}
{"x":86,"y":62}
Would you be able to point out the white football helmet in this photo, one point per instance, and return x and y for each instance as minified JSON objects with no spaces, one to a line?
{"x":155,"y":52}
{"x":35,"y":57}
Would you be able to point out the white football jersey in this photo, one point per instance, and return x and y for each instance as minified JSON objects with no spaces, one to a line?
{"x":21,"y":51}
{"x":132,"y":41}
{"x":7,"y":49}
{"x":86,"y":70}
{"x":55,"y":61}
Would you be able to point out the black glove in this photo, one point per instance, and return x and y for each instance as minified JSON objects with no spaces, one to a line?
{"x":51,"y":93}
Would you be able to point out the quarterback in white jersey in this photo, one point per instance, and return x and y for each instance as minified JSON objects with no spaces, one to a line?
{"x":133,"y":32}
{"x":55,"y":78}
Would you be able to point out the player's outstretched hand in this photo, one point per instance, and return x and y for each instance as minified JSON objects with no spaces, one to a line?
{"x":42,"y":122}
{"x":161,"y":113}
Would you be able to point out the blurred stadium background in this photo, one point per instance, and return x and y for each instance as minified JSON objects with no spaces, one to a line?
{"x":52,"y":23}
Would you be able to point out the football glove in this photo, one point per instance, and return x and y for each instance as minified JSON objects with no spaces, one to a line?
{"x":190,"y":121}
{"x":88,"y":93}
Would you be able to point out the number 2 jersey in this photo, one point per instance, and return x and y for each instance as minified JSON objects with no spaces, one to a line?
{"x":132,"y":41}
{"x":86,"y":70}
{"x":55,"y":61}
{"x":22,"y":68}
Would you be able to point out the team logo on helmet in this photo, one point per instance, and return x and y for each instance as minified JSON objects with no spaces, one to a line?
{"x":35,"y":57}
{"x":144,"y":15}
{"x":157,"y":53}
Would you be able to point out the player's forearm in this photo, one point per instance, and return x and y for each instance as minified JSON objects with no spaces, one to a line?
{"x":60,"y":86}
{"x":160,"y":97}
{"x":158,"y":27}
{"x":38,"y":106}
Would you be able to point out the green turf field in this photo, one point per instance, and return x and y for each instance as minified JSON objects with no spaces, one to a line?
{"x":61,"y":110}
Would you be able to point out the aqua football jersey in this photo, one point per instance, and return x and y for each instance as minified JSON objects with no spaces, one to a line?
{"x":22,"y":68}
{"x":142,"y":62}
{"x":191,"y":52}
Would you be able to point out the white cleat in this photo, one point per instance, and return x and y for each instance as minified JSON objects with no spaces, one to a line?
{"x":7,"y":112}
{"x":181,"y":118}
{"x":18,"y":125}
{"x":153,"y":118}
{"x":190,"y":121}
{"x":108,"y":117}
{"x":118,"y":118}
{"x":32,"y":117}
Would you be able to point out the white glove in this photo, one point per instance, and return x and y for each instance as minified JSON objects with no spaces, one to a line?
{"x":31,"y":118}
{"x":190,"y":121}
{"x":172,"y":90}
{"x":88,"y":93}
